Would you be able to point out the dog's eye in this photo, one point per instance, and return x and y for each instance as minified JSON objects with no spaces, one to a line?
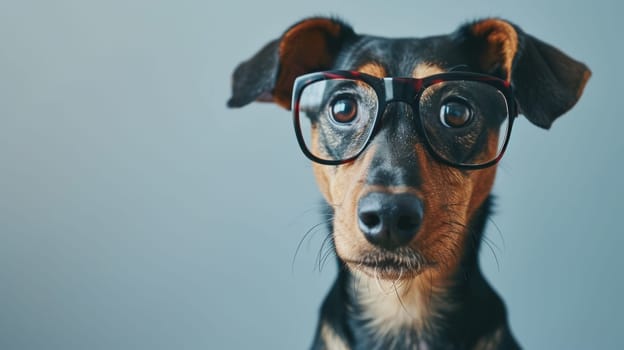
{"x":455,"y":114}
{"x":344,"y":109}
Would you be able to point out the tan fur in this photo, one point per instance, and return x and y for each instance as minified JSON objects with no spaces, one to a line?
{"x":373,"y":69}
{"x":342,"y":186}
{"x":411,"y":288}
{"x":450,"y":198}
{"x":494,"y":340}
{"x":502,"y":43}
{"x":390,"y":306}
{"x":424,"y":70}
{"x":586,"y":75}
{"x":310,"y":36}
{"x":331,"y":340}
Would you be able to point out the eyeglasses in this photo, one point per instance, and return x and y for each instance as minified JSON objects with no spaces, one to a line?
{"x":465,"y":118}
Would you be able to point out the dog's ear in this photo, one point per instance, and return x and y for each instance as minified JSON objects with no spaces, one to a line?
{"x":546,"y":82}
{"x":308,"y":46}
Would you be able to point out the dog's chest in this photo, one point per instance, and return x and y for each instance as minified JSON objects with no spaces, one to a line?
{"x":394,"y":315}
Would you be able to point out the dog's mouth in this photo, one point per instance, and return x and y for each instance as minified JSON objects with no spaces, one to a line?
{"x":403,"y":263}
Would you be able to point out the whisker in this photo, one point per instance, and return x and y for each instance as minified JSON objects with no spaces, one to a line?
{"x":321,"y":252}
{"x":489,"y":243}
{"x":396,"y":292}
{"x":309,"y":233}
{"x":378,"y":280}
{"x":500,"y":233}
{"x":328,"y":253}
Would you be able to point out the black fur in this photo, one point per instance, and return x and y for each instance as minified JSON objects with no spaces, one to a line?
{"x":482,"y":312}
{"x":547,"y":83}
{"x":255,"y":77}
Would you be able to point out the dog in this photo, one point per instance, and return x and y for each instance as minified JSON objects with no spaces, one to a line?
{"x":405,"y":135}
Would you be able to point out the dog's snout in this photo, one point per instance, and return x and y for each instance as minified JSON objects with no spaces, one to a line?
{"x":389,"y":220}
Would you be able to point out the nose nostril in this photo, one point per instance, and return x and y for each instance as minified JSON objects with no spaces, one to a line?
{"x":389,"y":220}
{"x":370,"y":219}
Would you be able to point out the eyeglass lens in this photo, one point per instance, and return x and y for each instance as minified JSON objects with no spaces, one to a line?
{"x":465,"y":122}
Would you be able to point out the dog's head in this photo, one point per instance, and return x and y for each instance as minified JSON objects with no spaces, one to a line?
{"x":408,"y":164}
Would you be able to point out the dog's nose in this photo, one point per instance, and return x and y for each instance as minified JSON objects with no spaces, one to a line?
{"x":389,"y":220}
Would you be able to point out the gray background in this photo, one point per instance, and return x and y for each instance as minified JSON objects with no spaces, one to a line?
{"x":137,"y":212}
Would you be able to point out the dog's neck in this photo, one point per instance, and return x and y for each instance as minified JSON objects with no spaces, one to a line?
{"x":459,"y":310}
{"x":398,"y":311}
{"x":417,"y":313}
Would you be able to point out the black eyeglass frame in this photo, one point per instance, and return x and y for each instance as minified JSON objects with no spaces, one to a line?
{"x":408,"y":90}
